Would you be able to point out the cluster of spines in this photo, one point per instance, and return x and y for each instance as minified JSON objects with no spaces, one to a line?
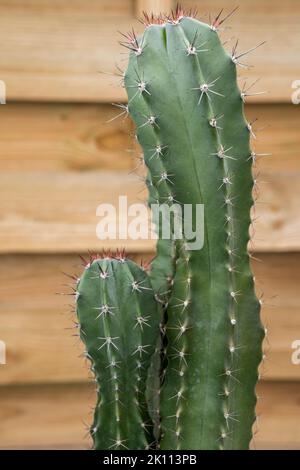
{"x":174,"y":17}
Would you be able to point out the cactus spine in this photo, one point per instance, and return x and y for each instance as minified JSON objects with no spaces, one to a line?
{"x":188,"y":110}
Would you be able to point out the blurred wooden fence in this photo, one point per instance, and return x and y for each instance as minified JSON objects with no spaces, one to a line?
{"x":59,"y":159}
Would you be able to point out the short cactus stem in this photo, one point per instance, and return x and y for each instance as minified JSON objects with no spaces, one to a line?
{"x":119,"y":324}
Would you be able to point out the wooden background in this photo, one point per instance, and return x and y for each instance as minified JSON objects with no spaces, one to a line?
{"x":59,"y":159}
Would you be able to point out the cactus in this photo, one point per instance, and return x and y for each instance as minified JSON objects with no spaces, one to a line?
{"x":189,"y":114}
{"x":119,"y":325}
{"x":188,"y":110}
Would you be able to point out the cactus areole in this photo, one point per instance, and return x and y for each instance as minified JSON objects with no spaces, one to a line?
{"x":185,"y":102}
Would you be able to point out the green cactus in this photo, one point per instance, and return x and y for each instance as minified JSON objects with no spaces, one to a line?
{"x":188,"y":110}
{"x":119,"y":325}
{"x":162,"y":266}
{"x":194,"y":387}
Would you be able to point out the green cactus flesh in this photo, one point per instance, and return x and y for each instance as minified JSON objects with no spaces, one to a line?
{"x":162,"y":266}
{"x":188,"y":110}
{"x":119,"y":325}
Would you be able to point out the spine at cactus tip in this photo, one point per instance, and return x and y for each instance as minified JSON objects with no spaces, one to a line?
{"x":119,"y":325}
{"x":188,"y":110}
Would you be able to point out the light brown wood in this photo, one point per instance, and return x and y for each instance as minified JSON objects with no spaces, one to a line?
{"x":279,"y":416}
{"x":63,"y":137}
{"x":45,"y":417}
{"x":54,"y":416}
{"x":56,"y":211}
{"x":54,"y":50}
{"x":277,"y":134}
{"x":37,"y":325}
{"x":153,"y":6}
{"x":277,"y":225}
{"x":60,"y":146}
{"x":77,"y":137}
{"x":277,"y":279}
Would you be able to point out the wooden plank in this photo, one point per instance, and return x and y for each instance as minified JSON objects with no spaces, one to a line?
{"x":37,"y":325}
{"x":278,"y":223}
{"x":54,"y":50}
{"x":77,"y":137}
{"x":277,"y":279}
{"x":63,"y":137}
{"x":81,"y":38}
{"x":60,"y":145}
{"x":38,"y":330}
{"x":56,"y":211}
{"x":153,"y":6}
{"x":279,"y":416}
{"x":53,"y":417}
{"x":277,"y":133}
{"x":254,"y":23}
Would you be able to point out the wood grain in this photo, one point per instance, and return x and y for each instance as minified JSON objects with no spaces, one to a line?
{"x":78,"y":137}
{"x":56,"y":166}
{"x":278,"y":409}
{"x":45,"y":417}
{"x":56,"y":211}
{"x":53,"y":50}
{"x":277,"y":131}
{"x":277,"y":216}
{"x":153,"y":6}
{"x":37,"y":325}
{"x":277,"y":279}
{"x":53,"y":417}
{"x":63,"y":137}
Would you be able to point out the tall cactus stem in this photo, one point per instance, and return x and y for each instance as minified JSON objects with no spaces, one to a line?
{"x":188,"y":110}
